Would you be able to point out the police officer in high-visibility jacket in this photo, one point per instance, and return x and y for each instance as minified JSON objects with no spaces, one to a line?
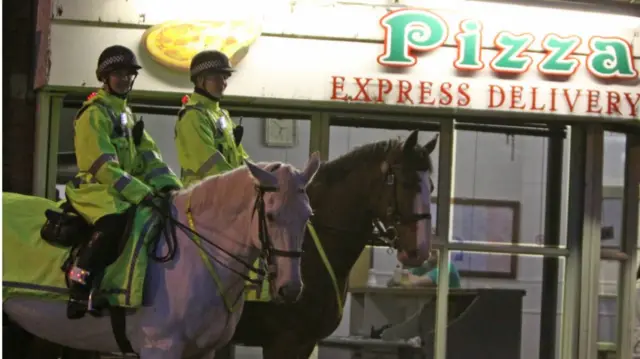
{"x":119,"y":166}
{"x":207,"y":140}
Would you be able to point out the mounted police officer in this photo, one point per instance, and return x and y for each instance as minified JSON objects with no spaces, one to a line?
{"x":207,"y":140}
{"x":119,"y":166}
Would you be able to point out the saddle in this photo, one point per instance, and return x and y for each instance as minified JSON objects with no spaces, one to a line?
{"x":68,"y":229}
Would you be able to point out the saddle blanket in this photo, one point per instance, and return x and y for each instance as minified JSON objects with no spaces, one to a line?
{"x":31,"y":266}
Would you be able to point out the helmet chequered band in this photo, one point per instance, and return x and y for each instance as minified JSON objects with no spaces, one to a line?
{"x":208,"y":65}
{"x":111,"y":61}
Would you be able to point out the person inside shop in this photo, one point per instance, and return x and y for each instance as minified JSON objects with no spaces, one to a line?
{"x":119,"y":166}
{"x":426,"y":275}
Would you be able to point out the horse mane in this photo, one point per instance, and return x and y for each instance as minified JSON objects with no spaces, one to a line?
{"x":223,"y":183}
{"x":288,"y":181}
{"x":364,"y":155}
{"x":369,"y":154}
{"x":228,"y":182}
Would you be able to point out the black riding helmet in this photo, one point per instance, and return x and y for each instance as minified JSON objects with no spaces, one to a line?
{"x":116,"y":57}
{"x":212,"y":61}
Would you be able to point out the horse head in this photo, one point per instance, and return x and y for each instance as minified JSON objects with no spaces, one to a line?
{"x":285,"y":210}
{"x":403,"y":209}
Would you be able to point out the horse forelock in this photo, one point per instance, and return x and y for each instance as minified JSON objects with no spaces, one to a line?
{"x":273,"y":166}
{"x":291,"y":189}
{"x":420,"y":160}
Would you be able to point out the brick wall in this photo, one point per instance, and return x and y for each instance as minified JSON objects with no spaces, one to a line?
{"x":18,"y":98}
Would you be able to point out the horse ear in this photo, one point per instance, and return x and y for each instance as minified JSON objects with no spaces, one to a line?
{"x":261,"y":177}
{"x":411,"y":142}
{"x":311,"y":168}
{"x":431,"y":145}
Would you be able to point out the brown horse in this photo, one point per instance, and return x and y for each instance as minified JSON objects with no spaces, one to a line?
{"x":375,"y":182}
{"x":347,"y":194}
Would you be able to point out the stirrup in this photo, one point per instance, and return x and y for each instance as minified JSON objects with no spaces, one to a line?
{"x":96,"y":304}
{"x":90,"y":301}
{"x":78,"y":301}
{"x":76,"y":309}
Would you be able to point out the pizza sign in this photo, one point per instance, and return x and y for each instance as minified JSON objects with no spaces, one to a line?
{"x":174,"y":43}
{"x":409,"y":31}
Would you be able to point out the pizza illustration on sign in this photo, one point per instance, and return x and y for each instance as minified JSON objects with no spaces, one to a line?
{"x":174,"y":43}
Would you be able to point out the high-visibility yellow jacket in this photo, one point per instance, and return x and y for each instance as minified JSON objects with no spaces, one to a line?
{"x":204,"y":140}
{"x":113,"y":172}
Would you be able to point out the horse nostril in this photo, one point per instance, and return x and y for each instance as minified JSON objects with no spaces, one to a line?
{"x":290,"y":292}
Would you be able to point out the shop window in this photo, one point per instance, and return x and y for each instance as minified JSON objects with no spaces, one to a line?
{"x":276,"y":139}
{"x":613,"y":162}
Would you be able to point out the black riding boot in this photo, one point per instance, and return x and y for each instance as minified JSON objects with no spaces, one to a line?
{"x":81,"y":276}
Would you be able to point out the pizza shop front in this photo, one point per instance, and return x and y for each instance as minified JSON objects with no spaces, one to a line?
{"x":513,"y":97}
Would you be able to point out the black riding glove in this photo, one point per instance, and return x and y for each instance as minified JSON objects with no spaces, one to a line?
{"x":157,"y":203}
{"x":165,"y":191}
{"x":147,"y":201}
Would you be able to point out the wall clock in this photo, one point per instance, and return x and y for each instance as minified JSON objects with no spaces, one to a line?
{"x":280,"y":132}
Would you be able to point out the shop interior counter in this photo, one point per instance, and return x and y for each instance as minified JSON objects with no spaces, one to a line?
{"x":482,"y":323}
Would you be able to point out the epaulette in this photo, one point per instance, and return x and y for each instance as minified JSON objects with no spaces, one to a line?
{"x":195,"y":106}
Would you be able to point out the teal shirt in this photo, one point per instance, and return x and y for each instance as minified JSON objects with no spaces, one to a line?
{"x":454,"y":275}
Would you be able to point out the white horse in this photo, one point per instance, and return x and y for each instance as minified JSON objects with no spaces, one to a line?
{"x":184,"y":314}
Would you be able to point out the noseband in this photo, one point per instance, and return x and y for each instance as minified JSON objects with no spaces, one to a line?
{"x":394,"y":217}
{"x":268,"y":250}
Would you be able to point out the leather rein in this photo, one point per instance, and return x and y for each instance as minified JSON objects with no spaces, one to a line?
{"x":267,"y":254}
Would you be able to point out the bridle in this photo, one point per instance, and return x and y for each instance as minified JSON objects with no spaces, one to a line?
{"x":383,"y":227}
{"x":386,"y":226}
{"x":268,"y":251}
